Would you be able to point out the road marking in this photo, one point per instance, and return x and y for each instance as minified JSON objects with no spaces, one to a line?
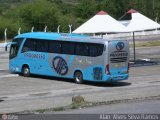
{"x":10,"y":75}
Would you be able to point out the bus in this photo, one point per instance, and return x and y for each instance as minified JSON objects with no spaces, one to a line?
{"x":73,"y":56}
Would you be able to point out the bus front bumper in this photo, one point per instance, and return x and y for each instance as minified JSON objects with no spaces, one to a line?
{"x":13,"y":69}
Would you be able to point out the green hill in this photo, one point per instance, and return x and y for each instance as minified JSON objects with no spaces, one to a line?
{"x":6,"y":4}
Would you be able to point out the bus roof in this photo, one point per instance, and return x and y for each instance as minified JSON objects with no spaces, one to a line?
{"x":61,"y":36}
{"x":46,"y":35}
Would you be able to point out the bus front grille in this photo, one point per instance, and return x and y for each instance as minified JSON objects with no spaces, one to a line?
{"x":118,"y":60}
{"x":97,"y":73}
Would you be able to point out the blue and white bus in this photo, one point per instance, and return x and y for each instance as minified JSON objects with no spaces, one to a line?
{"x":72,"y":56}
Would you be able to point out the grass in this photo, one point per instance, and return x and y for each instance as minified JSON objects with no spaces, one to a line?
{"x":77,"y":102}
{"x":41,"y":110}
{"x":147,"y":44}
{"x":58,"y":109}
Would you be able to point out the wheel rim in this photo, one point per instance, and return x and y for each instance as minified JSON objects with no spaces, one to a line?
{"x":78,"y":77}
{"x":26,"y":71}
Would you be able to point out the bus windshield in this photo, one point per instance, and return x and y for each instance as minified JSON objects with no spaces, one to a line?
{"x":15,"y":47}
{"x":13,"y":51}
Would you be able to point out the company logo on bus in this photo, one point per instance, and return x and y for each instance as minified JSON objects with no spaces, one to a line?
{"x":119,"y":54}
{"x":60,"y":65}
{"x":120,"y":46}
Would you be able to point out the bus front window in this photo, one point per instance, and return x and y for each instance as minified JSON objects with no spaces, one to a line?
{"x":15,"y":47}
{"x":13,"y":51}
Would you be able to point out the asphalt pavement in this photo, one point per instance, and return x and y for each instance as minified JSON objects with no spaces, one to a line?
{"x":136,"y":107}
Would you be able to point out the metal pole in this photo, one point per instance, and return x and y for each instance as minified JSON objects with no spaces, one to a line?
{"x":134,"y":51}
{"x":58,"y":28}
{"x":5,"y":35}
{"x":32,"y":29}
{"x":45,"y":29}
{"x":70,"y":29}
{"x":19,"y":31}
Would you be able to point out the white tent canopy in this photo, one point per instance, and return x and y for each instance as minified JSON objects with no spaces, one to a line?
{"x":101,"y":23}
{"x":135,"y":21}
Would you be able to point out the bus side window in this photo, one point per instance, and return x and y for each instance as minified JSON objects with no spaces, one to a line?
{"x":92,"y":50}
{"x":68,"y":48}
{"x":26,"y":46}
{"x":32,"y":46}
{"x":42,"y":46}
{"x":29,"y":45}
{"x":100,"y":49}
{"x":82,"y":49}
{"x":54,"y":47}
{"x":95,"y":50}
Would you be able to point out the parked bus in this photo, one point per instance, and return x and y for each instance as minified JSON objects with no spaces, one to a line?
{"x":72,"y":56}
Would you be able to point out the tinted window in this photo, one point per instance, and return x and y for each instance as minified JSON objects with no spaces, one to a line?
{"x":72,"y":48}
{"x":15,"y":47}
{"x":29,"y":45}
{"x":54,"y":47}
{"x":95,"y":50}
{"x":42,"y":45}
{"x":82,"y":49}
{"x":100,"y":49}
{"x":13,"y":51}
{"x":26,"y":46}
{"x":18,"y":41}
{"x":32,"y":45}
{"x":68,"y":48}
{"x":92,"y":50}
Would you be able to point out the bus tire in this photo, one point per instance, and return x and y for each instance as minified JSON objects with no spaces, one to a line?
{"x":78,"y":77}
{"x":20,"y":74}
{"x":26,"y":71}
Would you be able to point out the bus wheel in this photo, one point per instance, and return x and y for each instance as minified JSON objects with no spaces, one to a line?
{"x":26,"y":71}
{"x":78,"y":77}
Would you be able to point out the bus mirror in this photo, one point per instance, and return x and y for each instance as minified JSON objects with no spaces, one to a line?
{"x":10,"y":43}
{"x":6,"y":48}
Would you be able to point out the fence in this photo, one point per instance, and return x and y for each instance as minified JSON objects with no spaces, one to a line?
{"x":130,"y":35}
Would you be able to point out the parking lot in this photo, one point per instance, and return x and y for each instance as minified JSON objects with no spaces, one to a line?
{"x":19,"y":93}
